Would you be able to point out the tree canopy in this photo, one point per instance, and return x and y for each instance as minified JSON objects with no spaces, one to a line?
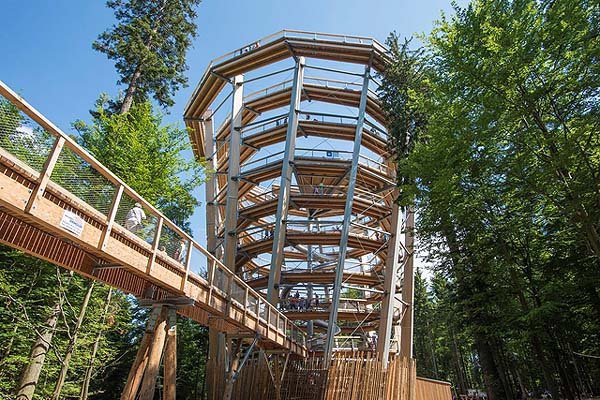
{"x":504,"y":171}
{"x":148,"y":45}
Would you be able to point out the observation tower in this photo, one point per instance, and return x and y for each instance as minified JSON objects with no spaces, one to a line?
{"x":301,"y":201}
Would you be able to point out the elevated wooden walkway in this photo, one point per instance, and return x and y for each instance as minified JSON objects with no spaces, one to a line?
{"x":318,"y":277}
{"x":43,"y":218}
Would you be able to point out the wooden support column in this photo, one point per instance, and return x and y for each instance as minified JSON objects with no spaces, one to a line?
{"x":215,"y":363}
{"x":389,"y":285}
{"x":155,"y":352}
{"x":339,"y":273}
{"x":283,"y":201}
{"x":233,"y":173}
{"x":139,"y":365}
{"x":233,"y":347}
{"x":170,"y":361}
{"x":211,"y":183}
{"x":161,"y":334}
{"x":408,"y":287}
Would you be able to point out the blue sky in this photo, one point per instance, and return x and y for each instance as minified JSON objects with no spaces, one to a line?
{"x":47,"y":55}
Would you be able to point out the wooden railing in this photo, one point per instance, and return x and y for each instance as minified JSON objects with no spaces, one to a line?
{"x":89,"y":218}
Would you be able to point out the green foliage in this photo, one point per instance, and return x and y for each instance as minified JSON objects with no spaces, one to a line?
{"x":29,"y":288}
{"x":505,"y":176}
{"x":147,"y":156}
{"x":148,"y":45}
{"x":402,"y":85}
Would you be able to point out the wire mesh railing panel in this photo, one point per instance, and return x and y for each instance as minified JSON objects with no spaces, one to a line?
{"x":262,"y":310}
{"x":237,"y":292}
{"x":22,"y":137}
{"x":81,"y":179}
{"x":272,"y":316}
{"x":220,"y":279}
{"x":251,"y":302}
{"x":173,"y":244}
{"x":199,"y":263}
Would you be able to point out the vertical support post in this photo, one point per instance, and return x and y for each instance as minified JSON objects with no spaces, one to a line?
{"x":310,"y":327}
{"x":284,"y":186}
{"x":155,"y":352}
{"x":138,"y":369}
{"x":188,"y":264}
{"x":114,"y":207}
{"x":408,"y":287}
{"x":42,"y":181}
{"x":211,"y":184}
{"x":170,"y":361}
{"x":233,"y":173}
{"x":233,"y":362}
{"x":339,"y":273}
{"x":389,"y":286}
{"x":213,"y":365}
{"x":155,"y":243}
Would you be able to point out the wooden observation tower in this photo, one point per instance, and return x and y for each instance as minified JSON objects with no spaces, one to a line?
{"x":307,"y":274}
{"x":301,"y":204}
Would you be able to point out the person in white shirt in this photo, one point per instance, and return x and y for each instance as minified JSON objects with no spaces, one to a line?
{"x":134,"y":218}
{"x":179,"y":254}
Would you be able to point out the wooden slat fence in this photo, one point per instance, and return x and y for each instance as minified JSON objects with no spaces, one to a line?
{"x":429,"y":389}
{"x":351,"y":376}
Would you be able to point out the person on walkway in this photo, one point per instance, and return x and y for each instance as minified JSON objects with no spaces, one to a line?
{"x":134,"y":218}
{"x":179,"y":253}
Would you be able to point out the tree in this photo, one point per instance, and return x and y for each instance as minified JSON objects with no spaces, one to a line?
{"x":505,"y":177}
{"x":147,"y":156}
{"x":148,"y":45}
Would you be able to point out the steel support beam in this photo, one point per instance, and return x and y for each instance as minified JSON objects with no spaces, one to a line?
{"x":408,"y":287}
{"x":233,"y":173}
{"x":283,"y":203}
{"x":339,"y":273}
{"x":388,"y":303}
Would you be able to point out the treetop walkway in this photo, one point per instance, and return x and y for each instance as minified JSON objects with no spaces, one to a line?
{"x":58,"y":203}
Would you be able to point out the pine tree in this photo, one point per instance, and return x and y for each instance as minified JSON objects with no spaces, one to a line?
{"x":148,"y":45}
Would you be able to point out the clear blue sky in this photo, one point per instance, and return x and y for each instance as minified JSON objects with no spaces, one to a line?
{"x":47,"y":55}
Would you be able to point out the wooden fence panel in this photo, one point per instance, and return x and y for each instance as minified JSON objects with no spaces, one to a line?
{"x":429,"y":389}
{"x":351,"y":376}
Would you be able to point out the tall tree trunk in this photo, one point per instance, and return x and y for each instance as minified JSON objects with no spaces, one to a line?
{"x":62,"y":375}
{"x":30,"y":376}
{"x":83,"y":395}
{"x":456,"y":358}
{"x":11,"y":342}
{"x":133,"y":83}
{"x":538,"y":349}
{"x":491,"y":375}
{"x":131,"y":89}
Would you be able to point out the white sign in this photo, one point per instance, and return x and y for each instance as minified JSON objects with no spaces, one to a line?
{"x":72,"y":223}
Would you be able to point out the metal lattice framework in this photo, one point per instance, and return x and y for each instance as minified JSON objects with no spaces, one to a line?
{"x":301,"y":204}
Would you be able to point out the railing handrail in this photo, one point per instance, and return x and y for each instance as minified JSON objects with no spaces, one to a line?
{"x":285,"y":33}
{"x":51,"y":128}
{"x":293,"y":33}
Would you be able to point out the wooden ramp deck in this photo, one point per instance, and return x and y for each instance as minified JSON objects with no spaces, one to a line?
{"x":59,"y":204}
